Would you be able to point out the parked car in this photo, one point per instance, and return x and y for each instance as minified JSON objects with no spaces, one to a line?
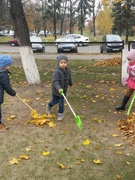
{"x":67,"y":44}
{"x":13,"y":42}
{"x":80,"y":39}
{"x":133,"y":45}
{"x":111,"y":43}
{"x":3,"y":33}
{"x":36,"y":42}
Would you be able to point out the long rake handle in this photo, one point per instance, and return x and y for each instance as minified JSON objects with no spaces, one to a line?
{"x":24,"y":103}
{"x":131,"y":104}
{"x":69,"y":104}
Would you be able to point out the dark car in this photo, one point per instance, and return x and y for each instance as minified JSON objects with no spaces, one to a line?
{"x":13,"y":42}
{"x":133,"y":45}
{"x":111,"y":43}
{"x":67,"y":44}
{"x":36,"y":42}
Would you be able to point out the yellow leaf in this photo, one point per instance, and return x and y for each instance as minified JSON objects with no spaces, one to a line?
{"x":26,"y":100}
{"x":87,"y":142}
{"x":97,"y":161}
{"x":82,"y":160}
{"x":61,"y":165}
{"x":23,"y":156}
{"x":45,"y":153}
{"x":89,"y":86}
{"x":118,"y":176}
{"x":37,"y":99}
{"x":114,"y":135}
{"x":101,"y":81}
{"x":28,"y":149}
{"x":128,"y":163}
{"x":112,"y":89}
{"x":11,"y":117}
{"x":41,"y":141}
{"x":39,"y":90}
{"x":15,"y":161}
{"x":118,"y":145}
{"x":51,"y":124}
{"x":119,"y":152}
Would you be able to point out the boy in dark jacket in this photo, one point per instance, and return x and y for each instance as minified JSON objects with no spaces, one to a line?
{"x":5,"y":64}
{"x":61,"y":79}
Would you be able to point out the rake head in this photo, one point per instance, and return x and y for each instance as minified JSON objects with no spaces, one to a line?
{"x":78,"y":122}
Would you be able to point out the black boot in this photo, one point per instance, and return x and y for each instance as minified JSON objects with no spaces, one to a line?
{"x":124,"y":102}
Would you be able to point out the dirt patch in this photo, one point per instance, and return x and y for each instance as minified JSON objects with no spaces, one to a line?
{"x":95,"y":104}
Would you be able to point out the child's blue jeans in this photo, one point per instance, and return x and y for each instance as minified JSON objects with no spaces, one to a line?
{"x":57,"y":100}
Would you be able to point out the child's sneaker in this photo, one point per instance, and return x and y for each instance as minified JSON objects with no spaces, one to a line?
{"x":48,"y":109}
{"x":60,"y":116}
{"x":3,"y":127}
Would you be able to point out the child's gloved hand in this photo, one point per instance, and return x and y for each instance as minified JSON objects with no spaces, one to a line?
{"x":60,"y":91}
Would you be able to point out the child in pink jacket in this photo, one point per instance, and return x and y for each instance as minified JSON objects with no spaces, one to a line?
{"x":130,"y":80}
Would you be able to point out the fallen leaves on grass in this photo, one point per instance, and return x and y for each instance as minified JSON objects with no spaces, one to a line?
{"x":98,"y":161}
{"x":109,"y":62}
{"x":40,"y":120}
{"x":127,"y":127}
{"x":118,"y":176}
{"x":61,"y":165}
{"x":28,"y":149}
{"x":11,"y":117}
{"x":87,"y":142}
{"x":79,"y":160}
{"x":118,"y":145}
{"x":45,"y":153}
{"x":114,"y":135}
{"x":18,"y":160}
{"x":23,"y":157}
{"x":15,"y":161}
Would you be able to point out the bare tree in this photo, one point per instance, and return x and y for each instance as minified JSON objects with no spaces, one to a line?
{"x":22,"y":33}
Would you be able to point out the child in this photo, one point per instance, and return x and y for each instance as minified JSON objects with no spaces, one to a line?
{"x":60,"y":80}
{"x":5,"y":64}
{"x":130,"y":80}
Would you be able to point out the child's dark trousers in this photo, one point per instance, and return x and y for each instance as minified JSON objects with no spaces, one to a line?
{"x":57,"y":100}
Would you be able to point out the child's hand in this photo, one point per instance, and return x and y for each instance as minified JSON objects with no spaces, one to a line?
{"x":60,"y":91}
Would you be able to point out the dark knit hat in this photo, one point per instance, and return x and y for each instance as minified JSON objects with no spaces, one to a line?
{"x":131,"y":54}
{"x":5,"y":60}
{"x":61,"y":57}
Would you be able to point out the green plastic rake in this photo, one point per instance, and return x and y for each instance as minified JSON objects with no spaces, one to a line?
{"x":131,"y":104}
{"x":77,"y":118}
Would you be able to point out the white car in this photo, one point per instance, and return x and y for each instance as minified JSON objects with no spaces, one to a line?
{"x":81,"y":39}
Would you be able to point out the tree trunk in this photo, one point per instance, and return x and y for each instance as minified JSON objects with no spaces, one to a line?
{"x":22,"y":34}
{"x":29,"y":65}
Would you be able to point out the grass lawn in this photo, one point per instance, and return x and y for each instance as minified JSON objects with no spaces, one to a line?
{"x":57,"y":150}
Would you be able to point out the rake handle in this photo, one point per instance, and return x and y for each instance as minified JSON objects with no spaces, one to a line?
{"x":131,"y":104}
{"x":69,"y":104}
{"x":24,"y":103}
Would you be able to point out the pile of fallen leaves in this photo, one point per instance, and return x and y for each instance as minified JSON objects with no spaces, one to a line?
{"x":109,"y":62}
{"x":127,"y":127}
{"x":40,"y":120}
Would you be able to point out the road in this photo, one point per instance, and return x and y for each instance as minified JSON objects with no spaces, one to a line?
{"x":85,"y":52}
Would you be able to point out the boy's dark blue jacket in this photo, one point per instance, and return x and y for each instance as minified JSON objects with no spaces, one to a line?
{"x":5,"y":84}
{"x":61,"y":80}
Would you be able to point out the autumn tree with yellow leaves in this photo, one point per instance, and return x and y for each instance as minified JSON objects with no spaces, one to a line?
{"x":104,"y":21}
